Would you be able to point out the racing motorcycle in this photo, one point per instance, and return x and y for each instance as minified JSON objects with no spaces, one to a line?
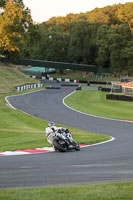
{"x":64,"y":145}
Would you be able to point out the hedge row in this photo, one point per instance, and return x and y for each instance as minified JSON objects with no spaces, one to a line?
{"x":119,"y":97}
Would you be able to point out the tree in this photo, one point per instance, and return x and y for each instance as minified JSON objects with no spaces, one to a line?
{"x":111,"y":42}
{"x":2,"y":3}
{"x":118,"y":36}
{"x":29,"y":48}
{"x":52,"y":44}
{"x":103,"y":58}
{"x":125,"y":14}
{"x":15,"y":23}
{"x":79,"y":45}
{"x":98,"y":16}
{"x":128,"y":55}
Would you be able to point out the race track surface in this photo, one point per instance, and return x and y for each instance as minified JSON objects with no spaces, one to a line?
{"x":103,"y":163}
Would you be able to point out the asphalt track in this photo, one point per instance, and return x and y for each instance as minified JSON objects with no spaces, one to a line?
{"x":109,"y":162}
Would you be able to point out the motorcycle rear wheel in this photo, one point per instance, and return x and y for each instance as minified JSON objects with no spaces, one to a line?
{"x":59,"y":147}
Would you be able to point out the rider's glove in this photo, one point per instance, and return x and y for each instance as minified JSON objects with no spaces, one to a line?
{"x":59,"y":131}
{"x":66,"y":131}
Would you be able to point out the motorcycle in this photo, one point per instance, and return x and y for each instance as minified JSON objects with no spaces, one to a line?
{"x":64,"y":145}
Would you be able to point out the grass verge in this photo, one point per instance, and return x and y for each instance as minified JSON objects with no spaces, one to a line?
{"x":106,"y":191}
{"x":95,"y":103}
{"x":29,"y":139}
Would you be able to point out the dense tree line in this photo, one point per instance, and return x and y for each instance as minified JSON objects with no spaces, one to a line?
{"x":102,"y":37}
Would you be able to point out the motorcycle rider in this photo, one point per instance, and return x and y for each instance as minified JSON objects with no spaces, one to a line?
{"x":53,"y":130}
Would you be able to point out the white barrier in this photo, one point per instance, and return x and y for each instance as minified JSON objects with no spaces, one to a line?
{"x":67,"y":80}
{"x":28,"y":86}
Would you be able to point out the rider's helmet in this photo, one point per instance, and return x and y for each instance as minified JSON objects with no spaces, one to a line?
{"x":50,"y":124}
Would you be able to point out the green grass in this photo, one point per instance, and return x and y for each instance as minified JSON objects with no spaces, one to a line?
{"x":21,"y":131}
{"x":95,"y":103}
{"x":89,"y":88}
{"x":29,"y":139}
{"x":106,"y":191}
{"x":79,"y":75}
{"x":15,"y":140}
{"x":10,"y":77}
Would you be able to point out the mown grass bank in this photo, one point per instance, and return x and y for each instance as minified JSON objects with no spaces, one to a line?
{"x":95,"y":103}
{"x":10,"y":76}
{"x":21,"y":131}
{"x":79,"y":75}
{"x":106,"y":191}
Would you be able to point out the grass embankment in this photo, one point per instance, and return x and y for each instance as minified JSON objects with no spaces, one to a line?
{"x":79,"y":75}
{"x":10,"y":77}
{"x":21,"y":131}
{"x":107,"y":191}
{"x":95,"y":103}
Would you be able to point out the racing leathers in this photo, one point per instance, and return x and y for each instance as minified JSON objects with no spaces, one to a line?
{"x":53,"y":131}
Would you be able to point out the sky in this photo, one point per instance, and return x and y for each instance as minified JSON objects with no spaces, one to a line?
{"x":43,"y":10}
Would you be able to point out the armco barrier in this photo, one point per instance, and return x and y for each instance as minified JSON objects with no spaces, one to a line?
{"x":104,"y":89}
{"x":76,"y":81}
{"x":119,"y":97}
{"x":29,"y":86}
{"x":70,"y":85}
{"x":53,"y":87}
{"x":59,"y":79}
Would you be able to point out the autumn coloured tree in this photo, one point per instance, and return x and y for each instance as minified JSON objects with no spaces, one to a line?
{"x":14,"y":24}
{"x":125,"y":14}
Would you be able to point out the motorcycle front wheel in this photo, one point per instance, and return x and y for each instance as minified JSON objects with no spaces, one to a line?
{"x":77,"y":147}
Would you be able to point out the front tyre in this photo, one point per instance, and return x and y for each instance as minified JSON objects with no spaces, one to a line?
{"x":77,"y":147}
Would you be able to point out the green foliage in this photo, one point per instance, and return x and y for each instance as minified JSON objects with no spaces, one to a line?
{"x":80,"y":45}
{"x":102,"y":36}
{"x":103,"y":50}
{"x":128,"y":55}
{"x":52,"y":44}
{"x":2,"y":3}
{"x":97,"y":37}
{"x":112,"y":42}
